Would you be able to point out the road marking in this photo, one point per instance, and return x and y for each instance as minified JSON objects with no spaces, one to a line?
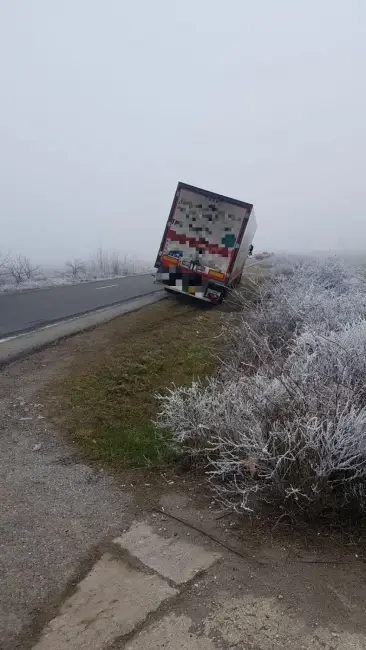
{"x":76,"y":317}
{"x":107,"y":286}
{"x":45,"y":327}
{"x":8,"y":338}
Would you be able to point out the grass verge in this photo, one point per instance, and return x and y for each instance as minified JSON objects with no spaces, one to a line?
{"x":107,"y":401}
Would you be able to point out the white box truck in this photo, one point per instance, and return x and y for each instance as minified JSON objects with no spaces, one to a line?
{"x":206,"y":242}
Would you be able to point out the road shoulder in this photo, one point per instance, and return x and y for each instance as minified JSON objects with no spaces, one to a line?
{"x":187,"y":576}
{"x":15,"y":347}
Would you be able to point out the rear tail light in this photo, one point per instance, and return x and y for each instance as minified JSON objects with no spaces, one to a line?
{"x":216,"y":274}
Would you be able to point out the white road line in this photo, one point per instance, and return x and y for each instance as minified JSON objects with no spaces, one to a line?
{"x":45,"y":327}
{"x":8,"y":338}
{"x":77,"y":317}
{"x":60,"y":322}
{"x":107,"y":286}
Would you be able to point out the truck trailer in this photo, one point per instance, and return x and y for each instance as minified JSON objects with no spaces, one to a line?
{"x":206,"y":242}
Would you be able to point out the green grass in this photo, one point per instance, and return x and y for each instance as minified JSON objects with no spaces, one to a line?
{"x":108,"y":401}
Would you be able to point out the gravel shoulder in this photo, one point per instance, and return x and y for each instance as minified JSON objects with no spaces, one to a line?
{"x":59,"y":512}
{"x":54,"y":507}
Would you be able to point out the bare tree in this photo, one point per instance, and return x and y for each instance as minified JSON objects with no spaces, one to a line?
{"x":115,"y":264}
{"x":28,"y":269}
{"x":4,"y":259}
{"x":20,"y":268}
{"x":102,"y":261}
{"x":77,"y":268}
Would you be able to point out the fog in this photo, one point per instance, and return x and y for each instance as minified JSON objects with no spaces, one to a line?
{"x":105,"y":105}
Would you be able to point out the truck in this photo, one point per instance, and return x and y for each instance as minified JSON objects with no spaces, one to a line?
{"x":207,"y":240}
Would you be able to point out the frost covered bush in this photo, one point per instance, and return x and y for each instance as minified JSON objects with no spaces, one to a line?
{"x":18,"y":273}
{"x":324,"y":295}
{"x":284,"y":421}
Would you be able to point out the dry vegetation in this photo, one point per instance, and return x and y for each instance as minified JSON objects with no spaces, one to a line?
{"x":284,"y":420}
{"x":107,"y":403}
{"x":278,"y":419}
{"x":17,"y":272}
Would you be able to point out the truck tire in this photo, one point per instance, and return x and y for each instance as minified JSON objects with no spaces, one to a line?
{"x":222,"y":297}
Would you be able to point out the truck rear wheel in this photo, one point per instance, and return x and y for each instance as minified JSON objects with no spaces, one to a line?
{"x":222,"y":297}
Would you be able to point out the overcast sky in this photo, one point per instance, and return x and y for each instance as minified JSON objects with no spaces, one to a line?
{"x":106,"y":104}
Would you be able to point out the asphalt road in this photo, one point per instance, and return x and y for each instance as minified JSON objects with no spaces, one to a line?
{"x":25,"y":311}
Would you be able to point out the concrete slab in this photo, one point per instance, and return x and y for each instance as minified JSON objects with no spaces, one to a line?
{"x":171,"y":633}
{"x":108,"y":603}
{"x":172,"y":557}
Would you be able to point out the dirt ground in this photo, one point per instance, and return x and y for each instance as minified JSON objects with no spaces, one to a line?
{"x":272,"y":587}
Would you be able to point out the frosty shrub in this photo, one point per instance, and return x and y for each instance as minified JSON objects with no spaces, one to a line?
{"x":325,"y":295}
{"x":18,"y":273}
{"x":284,"y":420}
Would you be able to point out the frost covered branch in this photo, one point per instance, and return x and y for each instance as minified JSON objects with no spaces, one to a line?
{"x":284,"y":420}
{"x":17,"y":272}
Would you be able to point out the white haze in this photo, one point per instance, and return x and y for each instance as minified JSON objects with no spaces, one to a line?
{"x":106,"y":105}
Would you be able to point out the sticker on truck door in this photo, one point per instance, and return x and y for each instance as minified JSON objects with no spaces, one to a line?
{"x":175,"y":253}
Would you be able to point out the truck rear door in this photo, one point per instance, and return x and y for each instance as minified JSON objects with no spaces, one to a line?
{"x":204,"y":231}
